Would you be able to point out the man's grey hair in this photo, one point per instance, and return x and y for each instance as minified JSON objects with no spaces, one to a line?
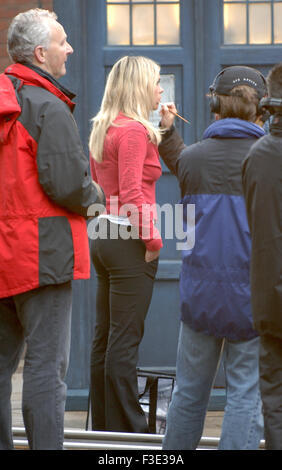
{"x":27,"y":31}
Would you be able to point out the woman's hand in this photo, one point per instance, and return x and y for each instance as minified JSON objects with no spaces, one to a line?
{"x":167,"y":115}
{"x":151,"y":255}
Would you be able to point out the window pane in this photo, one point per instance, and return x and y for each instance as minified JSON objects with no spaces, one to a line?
{"x":118,"y":24}
{"x":260,"y":24}
{"x":118,"y":1}
{"x":143,"y":25}
{"x":235,"y":24}
{"x":278,"y":23}
{"x":168,"y":24}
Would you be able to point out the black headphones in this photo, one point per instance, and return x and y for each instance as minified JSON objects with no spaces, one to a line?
{"x":214,"y":99}
{"x":270,"y":105}
{"x":231,"y":77}
{"x":214,"y":104}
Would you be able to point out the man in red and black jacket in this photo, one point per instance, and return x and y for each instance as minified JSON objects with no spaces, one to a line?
{"x":46,"y":194}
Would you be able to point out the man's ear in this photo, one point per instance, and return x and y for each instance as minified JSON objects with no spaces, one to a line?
{"x":39,"y":54}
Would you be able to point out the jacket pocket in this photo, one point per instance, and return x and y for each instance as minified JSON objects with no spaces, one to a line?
{"x":56,"y":253}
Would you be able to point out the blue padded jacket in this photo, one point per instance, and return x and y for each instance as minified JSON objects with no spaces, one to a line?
{"x":214,"y":280}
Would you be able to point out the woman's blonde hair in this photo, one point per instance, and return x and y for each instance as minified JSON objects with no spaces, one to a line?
{"x":129,"y":89}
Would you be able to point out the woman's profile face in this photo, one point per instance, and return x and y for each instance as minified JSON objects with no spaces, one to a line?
{"x":157,"y":95}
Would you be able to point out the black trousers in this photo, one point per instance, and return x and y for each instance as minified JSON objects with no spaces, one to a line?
{"x":271,"y":390}
{"x":124,"y":292}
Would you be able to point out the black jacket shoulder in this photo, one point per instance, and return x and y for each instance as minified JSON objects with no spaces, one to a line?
{"x":63,"y":169}
{"x":209,"y":166}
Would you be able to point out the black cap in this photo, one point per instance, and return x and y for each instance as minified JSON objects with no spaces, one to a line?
{"x":236,"y":75}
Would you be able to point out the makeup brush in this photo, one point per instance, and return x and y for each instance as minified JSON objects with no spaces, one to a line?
{"x":180,"y":117}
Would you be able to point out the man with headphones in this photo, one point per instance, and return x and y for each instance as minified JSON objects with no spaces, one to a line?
{"x":216,"y":318}
{"x":262,"y":186}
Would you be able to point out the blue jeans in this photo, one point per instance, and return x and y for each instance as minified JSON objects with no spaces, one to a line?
{"x":198,"y":359}
{"x":42,"y":319}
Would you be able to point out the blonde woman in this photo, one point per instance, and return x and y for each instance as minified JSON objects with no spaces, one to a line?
{"x":125,"y":161}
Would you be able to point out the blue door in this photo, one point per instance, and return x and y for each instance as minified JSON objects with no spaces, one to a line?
{"x":141,"y":29}
{"x":94,"y":30}
{"x":191,"y":40}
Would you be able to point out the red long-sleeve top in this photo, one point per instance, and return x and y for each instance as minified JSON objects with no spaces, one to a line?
{"x":128,"y":174}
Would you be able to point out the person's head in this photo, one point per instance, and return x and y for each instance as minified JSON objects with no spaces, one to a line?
{"x":35,"y":37}
{"x":274,"y":81}
{"x":236,"y":92}
{"x":272,"y":104}
{"x":133,"y":88}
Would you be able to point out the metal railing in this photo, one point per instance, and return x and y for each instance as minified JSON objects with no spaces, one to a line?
{"x":76,"y":439}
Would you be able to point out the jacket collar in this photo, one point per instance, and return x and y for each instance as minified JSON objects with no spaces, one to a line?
{"x":233,"y":128}
{"x":31,"y":75}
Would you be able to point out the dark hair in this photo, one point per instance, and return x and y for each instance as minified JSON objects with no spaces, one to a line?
{"x":274,"y":81}
{"x":241,"y":103}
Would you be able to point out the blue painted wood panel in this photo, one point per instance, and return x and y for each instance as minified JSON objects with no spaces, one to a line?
{"x":84,"y":22}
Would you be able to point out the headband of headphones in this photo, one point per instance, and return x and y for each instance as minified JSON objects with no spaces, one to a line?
{"x":236,"y":75}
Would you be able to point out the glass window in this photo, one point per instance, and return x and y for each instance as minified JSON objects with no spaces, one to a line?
{"x":260,"y":23}
{"x":278,"y":23}
{"x":143,"y":22}
{"x":143,"y":25}
{"x":252,"y":21}
{"x":118,"y":24}
{"x":168,"y":24}
{"x":235,"y":26}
